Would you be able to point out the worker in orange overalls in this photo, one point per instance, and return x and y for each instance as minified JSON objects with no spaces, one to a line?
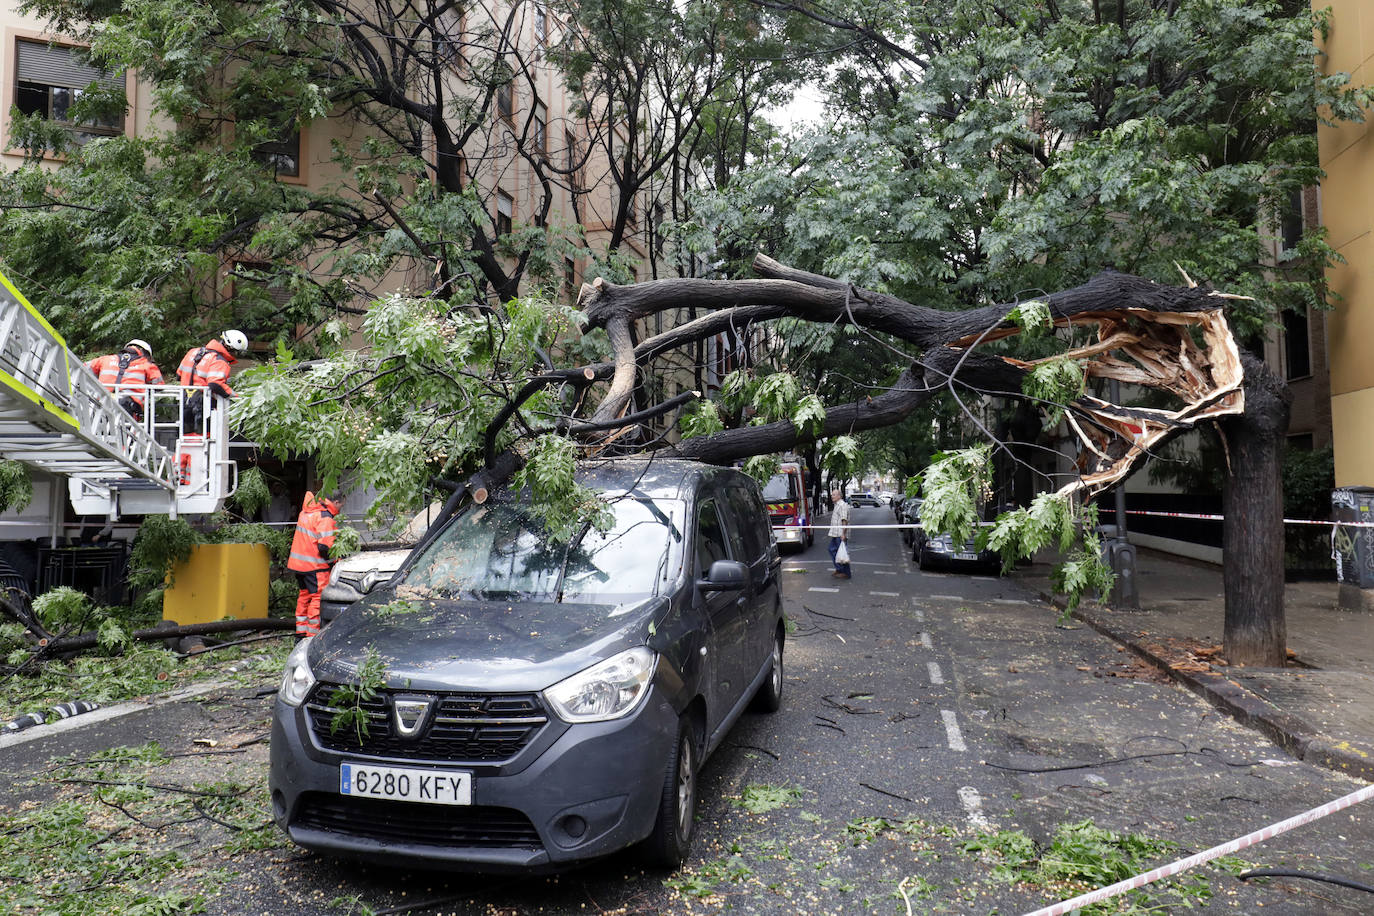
{"x":127,"y":374}
{"x":209,"y":367}
{"x":310,"y":560}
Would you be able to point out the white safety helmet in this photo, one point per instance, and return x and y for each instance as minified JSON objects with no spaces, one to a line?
{"x":142,"y":345}
{"x":235,"y":342}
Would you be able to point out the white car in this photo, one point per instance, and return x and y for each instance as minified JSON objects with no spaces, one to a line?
{"x":355,"y":576}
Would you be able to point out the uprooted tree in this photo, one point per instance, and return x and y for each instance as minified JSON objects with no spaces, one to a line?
{"x":468,"y":394}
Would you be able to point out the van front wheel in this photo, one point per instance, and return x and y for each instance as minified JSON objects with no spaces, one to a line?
{"x":671,"y":839}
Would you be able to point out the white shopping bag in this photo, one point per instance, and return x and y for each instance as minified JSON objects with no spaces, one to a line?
{"x":842,"y":555}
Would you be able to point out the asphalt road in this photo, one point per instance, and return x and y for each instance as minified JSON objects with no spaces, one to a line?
{"x":922,"y":713}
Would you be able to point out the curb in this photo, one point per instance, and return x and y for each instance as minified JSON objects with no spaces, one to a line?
{"x":1296,"y":736}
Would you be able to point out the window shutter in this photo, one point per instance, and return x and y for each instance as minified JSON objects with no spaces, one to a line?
{"x":57,"y":66}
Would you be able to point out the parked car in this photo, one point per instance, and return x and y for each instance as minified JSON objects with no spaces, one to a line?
{"x":907,"y":510}
{"x":864,"y":499}
{"x":940,"y":551}
{"x":355,"y":576}
{"x":510,"y":703}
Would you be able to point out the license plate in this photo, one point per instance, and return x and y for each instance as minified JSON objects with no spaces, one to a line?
{"x":966,"y":556}
{"x":434,"y":787}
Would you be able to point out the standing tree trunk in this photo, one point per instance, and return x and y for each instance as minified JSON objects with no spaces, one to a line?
{"x":1255,"y":631}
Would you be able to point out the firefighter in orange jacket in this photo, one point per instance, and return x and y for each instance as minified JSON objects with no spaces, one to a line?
{"x":127,"y":374}
{"x":310,"y":560}
{"x":209,"y":367}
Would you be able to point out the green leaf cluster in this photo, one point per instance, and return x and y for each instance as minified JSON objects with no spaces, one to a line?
{"x":955,"y":487}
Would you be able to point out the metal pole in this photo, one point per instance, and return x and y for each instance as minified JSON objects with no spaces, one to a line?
{"x":1124,"y":592}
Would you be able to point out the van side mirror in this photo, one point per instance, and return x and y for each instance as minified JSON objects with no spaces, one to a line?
{"x":725,"y":576}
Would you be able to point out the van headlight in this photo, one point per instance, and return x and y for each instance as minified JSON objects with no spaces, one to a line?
{"x":606,"y":690}
{"x":297,"y":680}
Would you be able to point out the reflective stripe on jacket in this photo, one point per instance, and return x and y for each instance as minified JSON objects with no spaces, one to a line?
{"x":208,"y":366}
{"x":314,"y":535}
{"x":129,"y":379}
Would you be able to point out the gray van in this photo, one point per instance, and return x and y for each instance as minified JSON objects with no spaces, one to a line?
{"x":528,"y":704}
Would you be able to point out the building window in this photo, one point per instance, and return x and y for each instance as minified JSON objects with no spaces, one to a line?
{"x":1296,"y":345}
{"x":1290,"y":224}
{"x":570,"y":276}
{"x":50,"y":80}
{"x":282,"y":155}
{"x":505,"y":212}
{"x":632,"y":213}
{"x":541,"y":128}
{"x":541,"y":24}
{"x":505,"y":101}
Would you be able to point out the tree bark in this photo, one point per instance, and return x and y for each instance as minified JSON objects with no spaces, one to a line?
{"x":86,"y":641}
{"x":1255,"y":631}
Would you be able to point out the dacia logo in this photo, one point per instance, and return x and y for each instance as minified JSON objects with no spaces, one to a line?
{"x":410,"y":715}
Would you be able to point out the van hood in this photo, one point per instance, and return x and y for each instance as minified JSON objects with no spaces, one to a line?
{"x":478,"y":645}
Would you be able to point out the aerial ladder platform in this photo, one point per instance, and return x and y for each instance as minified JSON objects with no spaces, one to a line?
{"x":56,"y":416}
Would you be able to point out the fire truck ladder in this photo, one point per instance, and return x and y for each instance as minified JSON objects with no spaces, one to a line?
{"x":56,"y":416}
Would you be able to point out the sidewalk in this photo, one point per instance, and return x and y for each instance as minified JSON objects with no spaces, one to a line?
{"x":1318,"y":709}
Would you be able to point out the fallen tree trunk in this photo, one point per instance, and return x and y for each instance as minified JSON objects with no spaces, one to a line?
{"x":65,"y":644}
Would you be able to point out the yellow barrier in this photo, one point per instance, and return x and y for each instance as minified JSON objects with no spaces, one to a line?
{"x":218,"y":581}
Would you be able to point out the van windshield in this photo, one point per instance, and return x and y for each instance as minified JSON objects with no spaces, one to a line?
{"x":781,"y":488}
{"x":501,"y":551}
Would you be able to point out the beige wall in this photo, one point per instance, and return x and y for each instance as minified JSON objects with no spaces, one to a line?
{"x":1347,"y":156}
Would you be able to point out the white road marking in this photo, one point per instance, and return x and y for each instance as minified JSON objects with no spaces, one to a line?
{"x":946,"y":597}
{"x":936,"y":677}
{"x":884,"y":572}
{"x":983,"y":578}
{"x":1008,"y":601}
{"x":828,"y":563}
{"x":817,"y":588}
{"x":920,"y":615}
{"x":973,"y":805}
{"x":925,"y":641}
{"x":952,"y":733}
{"x":887,"y":594}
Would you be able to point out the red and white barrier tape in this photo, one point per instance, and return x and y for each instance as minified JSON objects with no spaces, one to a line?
{"x":1189,"y":515}
{"x":1173,"y":868}
{"x":1218,"y":518}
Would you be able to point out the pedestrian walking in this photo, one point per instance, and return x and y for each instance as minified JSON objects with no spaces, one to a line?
{"x":839,"y":534}
{"x":127,"y":375}
{"x":208,"y":367}
{"x":310,"y":561}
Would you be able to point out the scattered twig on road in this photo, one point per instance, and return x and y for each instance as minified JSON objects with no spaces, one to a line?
{"x":1309,"y":875}
{"x":887,"y":793}
{"x":150,"y":785}
{"x":232,"y":750}
{"x":1207,"y":752}
{"x":845,"y":707}
{"x":125,"y":811}
{"x":831,"y":616}
{"x":214,"y":820}
{"x":828,"y":725}
{"x":755,"y":747}
{"x":1101,"y":792}
{"x":901,"y":888}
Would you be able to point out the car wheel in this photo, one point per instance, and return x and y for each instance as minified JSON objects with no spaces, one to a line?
{"x":769,"y":697}
{"x":671,"y":839}
{"x":922,"y":559}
